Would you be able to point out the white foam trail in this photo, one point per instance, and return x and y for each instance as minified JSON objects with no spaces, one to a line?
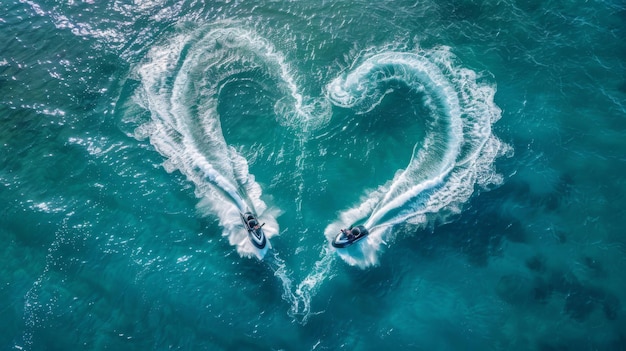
{"x":181,"y":81}
{"x":458,"y":151}
{"x":309,"y":286}
{"x":39,"y":303}
{"x":300,"y":299}
{"x":180,"y":84}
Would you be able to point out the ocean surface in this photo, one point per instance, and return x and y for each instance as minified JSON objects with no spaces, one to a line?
{"x":482,"y":143}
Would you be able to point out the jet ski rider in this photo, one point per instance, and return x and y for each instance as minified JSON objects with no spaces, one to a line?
{"x":253,"y":224}
{"x":348,"y":233}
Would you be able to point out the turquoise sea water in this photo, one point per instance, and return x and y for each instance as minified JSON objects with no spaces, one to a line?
{"x":483,"y":143}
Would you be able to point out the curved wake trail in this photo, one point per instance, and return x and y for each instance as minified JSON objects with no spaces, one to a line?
{"x":181,"y":81}
{"x":180,"y":86}
{"x":457,"y":153}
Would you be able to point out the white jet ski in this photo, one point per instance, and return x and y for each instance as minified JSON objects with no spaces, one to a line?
{"x":255,"y":230}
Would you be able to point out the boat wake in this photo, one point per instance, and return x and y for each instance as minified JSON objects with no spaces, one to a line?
{"x":180,"y":83}
{"x":456,"y":155}
{"x":300,"y":297}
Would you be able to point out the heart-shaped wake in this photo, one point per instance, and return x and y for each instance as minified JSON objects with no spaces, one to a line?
{"x":180,"y":85}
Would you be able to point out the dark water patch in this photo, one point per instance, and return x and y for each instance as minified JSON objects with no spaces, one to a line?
{"x":512,"y":230}
{"x":378,"y":282}
{"x":562,"y":190}
{"x":595,"y":267}
{"x":578,"y":304}
{"x":537,"y":263}
{"x":552,"y":345}
{"x":588,"y":340}
{"x":611,"y":305}
{"x":581,"y":300}
{"x":551,"y":199}
{"x":480,"y":230}
{"x":424,"y":242}
{"x":618,"y":343}
{"x":560,"y":236}
{"x":477,"y":240}
{"x":622,"y":87}
{"x":542,"y":290}
{"x":259,"y":282}
{"x":520,"y":290}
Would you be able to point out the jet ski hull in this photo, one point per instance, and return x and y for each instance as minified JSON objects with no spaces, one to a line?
{"x":256,"y":236}
{"x":342,"y":240}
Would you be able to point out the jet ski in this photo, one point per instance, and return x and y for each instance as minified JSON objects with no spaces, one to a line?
{"x":255,"y":231}
{"x":349,"y":236}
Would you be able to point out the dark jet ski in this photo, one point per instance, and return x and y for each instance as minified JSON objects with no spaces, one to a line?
{"x":349,"y":236}
{"x":255,"y":231}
